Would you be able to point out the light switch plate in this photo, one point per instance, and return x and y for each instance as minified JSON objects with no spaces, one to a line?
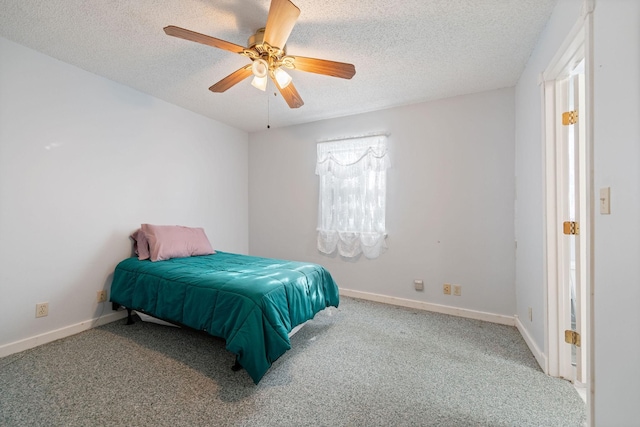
{"x":605,"y":200}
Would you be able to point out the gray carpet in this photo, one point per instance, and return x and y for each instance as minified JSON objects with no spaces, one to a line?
{"x":364,"y":364}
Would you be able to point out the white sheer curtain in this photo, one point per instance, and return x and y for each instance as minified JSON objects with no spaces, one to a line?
{"x":353,"y":194}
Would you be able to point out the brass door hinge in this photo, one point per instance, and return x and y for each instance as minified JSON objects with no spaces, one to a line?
{"x":572,"y":337}
{"x":570,"y":227}
{"x":570,"y":117}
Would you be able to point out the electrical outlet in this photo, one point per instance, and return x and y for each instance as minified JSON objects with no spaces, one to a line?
{"x":419,"y":285}
{"x":446,"y":289}
{"x":42,"y":309}
{"x":457,"y":290}
{"x":102,"y":296}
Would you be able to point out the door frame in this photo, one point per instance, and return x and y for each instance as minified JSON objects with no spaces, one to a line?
{"x":577,"y":45}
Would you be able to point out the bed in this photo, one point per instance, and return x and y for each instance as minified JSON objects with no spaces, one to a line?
{"x":251,"y":302}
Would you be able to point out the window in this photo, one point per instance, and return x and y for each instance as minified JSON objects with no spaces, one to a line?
{"x":352,"y":202}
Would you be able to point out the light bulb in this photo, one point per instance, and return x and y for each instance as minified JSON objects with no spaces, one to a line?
{"x":259,"y":68}
{"x":282,"y":77}
{"x":259,"y":83}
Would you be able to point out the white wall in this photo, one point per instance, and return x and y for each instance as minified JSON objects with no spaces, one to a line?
{"x":84,"y":161}
{"x":617,"y":236}
{"x":616,"y":164}
{"x":450,"y":200}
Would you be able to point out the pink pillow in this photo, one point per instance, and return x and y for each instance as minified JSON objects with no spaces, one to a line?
{"x":140,"y":244}
{"x":175,"y":241}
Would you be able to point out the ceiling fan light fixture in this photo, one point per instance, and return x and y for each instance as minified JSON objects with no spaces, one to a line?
{"x":259,"y":83}
{"x":267,"y":51}
{"x":282,"y":77}
{"x":260,"y":68}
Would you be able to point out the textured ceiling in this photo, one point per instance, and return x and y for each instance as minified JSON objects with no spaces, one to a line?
{"x":404,"y":51}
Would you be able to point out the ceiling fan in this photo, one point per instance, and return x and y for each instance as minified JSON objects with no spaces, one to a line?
{"x":267,"y":51}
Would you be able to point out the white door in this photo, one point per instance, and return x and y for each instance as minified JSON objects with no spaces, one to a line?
{"x":572,"y":216}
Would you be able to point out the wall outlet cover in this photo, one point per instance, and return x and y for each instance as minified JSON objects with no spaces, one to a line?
{"x":42,"y":309}
{"x":102,"y":296}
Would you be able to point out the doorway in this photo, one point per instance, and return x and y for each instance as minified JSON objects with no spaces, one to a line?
{"x":567,"y":89}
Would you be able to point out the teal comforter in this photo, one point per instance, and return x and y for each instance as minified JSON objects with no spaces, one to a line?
{"x":251,"y":302}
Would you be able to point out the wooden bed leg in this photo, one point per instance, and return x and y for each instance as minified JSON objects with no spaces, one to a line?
{"x":236,"y":366}
{"x":129,"y":317}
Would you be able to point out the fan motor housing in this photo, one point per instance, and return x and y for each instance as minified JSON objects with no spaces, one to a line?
{"x":256,"y":41}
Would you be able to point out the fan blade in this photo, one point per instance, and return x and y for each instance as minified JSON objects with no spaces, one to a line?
{"x":290,"y":94}
{"x":323,"y":66}
{"x":201,"y":38}
{"x":282,"y":17}
{"x":232,"y":79}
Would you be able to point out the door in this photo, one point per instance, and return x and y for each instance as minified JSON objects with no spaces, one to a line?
{"x":573,"y":215}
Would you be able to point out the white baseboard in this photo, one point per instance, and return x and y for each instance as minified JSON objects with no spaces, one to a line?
{"x":67,"y":331}
{"x":541,"y":358}
{"x":420,"y":305}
